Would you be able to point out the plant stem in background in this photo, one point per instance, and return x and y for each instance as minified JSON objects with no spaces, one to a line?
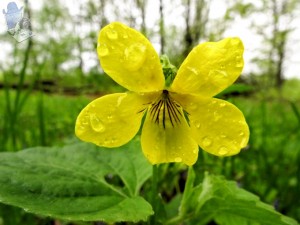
{"x":154,"y":195}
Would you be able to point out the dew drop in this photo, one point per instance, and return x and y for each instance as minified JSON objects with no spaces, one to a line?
{"x":84,"y":120}
{"x":217,"y":116}
{"x":235,"y":41}
{"x":195,"y":151}
{"x":223,"y":151}
{"x":197,"y":124}
{"x":120,"y":100}
{"x":193,"y":70}
{"x":96,"y":123}
{"x":113,"y":140}
{"x":109,"y":117}
{"x":243,"y":142}
{"x":218,"y":76}
{"x":206,"y":141}
{"x":239,"y":63}
{"x":125,"y":36}
{"x":178,"y":159}
{"x":222,"y":104}
{"x":241,"y":133}
{"x":193,"y":106}
{"x":106,"y":141}
{"x":134,"y":56}
{"x":102,"y":50}
{"x":112,"y":34}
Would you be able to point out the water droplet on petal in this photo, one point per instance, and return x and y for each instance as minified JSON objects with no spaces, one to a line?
{"x":84,"y":120}
{"x":193,"y":70}
{"x":223,"y":136}
{"x":243,"y":142}
{"x":178,"y":159}
{"x":197,"y":124}
{"x":241,"y":133}
{"x":223,"y":151}
{"x":112,"y":34}
{"x":218,"y":77}
{"x":96,"y":123}
{"x":125,"y":36}
{"x":239,"y":63}
{"x":235,"y":41}
{"x":106,"y":141}
{"x":217,"y":116}
{"x":134,"y":56}
{"x":222,"y":104}
{"x":195,"y":151}
{"x":102,"y":50}
{"x":193,"y":106}
{"x":206,"y":141}
{"x":213,"y":102}
{"x":113,"y":140}
{"x":120,"y":99}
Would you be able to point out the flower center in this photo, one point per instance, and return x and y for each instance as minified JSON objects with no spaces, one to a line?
{"x":166,"y":111}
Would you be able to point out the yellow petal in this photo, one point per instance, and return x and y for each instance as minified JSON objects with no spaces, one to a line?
{"x":112,"y":120}
{"x":168,"y":140}
{"x":210,"y":68}
{"x":218,"y":126}
{"x":129,"y":58}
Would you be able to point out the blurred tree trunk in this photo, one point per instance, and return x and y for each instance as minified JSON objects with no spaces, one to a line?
{"x":78,"y":24}
{"x":279,"y":39}
{"x":141,"y":4}
{"x":195,"y":26}
{"x":102,"y":13}
{"x":161,"y":27}
{"x":280,"y":10}
{"x":188,"y":39}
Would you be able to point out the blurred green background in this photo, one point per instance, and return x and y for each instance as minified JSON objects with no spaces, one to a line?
{"x":46,"y":80}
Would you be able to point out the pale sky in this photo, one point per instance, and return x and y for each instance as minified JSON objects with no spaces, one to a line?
{"x":240,"y":28}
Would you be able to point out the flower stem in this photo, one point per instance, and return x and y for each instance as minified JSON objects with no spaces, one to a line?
{"x":154,"y":194}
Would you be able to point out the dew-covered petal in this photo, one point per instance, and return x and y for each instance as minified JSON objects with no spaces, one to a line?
{"x":166,"y":141}
{"x":129,"y":58}
{"x":112,"y":120}
{"x":210,"y":68}
{"x":218,"y":126}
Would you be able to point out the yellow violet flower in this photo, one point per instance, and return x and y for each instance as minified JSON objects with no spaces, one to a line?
{"x":178,"y":118}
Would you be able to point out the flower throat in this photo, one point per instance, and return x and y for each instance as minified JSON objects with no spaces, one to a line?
{"x":165,"y":111}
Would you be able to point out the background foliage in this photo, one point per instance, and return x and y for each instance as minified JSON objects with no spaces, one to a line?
{"x":46,"y":81}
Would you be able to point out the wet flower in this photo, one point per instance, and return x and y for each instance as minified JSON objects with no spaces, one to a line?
{"x":177,"y":118}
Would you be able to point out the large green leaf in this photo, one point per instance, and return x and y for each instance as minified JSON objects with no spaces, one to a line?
{"x":77,"y":182}
{"x":226,"y":203}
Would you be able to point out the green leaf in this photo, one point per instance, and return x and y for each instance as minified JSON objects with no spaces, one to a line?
{"x":236,"y":89}
{"x":226,"y":203}
{"x":77,"y":182}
